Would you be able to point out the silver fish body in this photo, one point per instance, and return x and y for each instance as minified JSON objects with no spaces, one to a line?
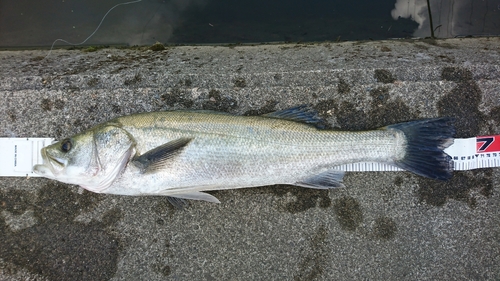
{"x":182,"y":153}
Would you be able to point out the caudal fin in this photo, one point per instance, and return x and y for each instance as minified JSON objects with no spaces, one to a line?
{"x":426,"y":140}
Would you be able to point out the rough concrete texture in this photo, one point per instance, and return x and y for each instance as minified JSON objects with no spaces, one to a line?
{"x":382,"y":226}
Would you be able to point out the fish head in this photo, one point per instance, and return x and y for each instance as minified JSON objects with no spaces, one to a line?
{"x":92,"y":159}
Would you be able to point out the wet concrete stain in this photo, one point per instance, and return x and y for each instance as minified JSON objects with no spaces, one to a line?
{"x":187,"y":82}
{"x":398,"y":181}
{"x":382,"y":112}
{"x":78,"y":123}
{"x":462,"y":102}
{"x":59,"y":104}
{"x":312,"y":265}
{"x":116,"y":109}
{"x":219,"y":103}
{"x":176,"y":96}
{"x":384,"y":228}
{"x":348,"y":212}
{"x":268,"y":107}
{"x":48,"y":105}
{"x":164,"y":270}
{"x":12,"y":115}
{"x":495,"y":115}
{"x":134,"y":80}
{"x":57,"y":247}
{"x":112,"y":216}
{"x":62,"y":251}
{"x":304,"y":198}
{"x":240,"y":82}
{"x":92,"y":108}
{"x":14,"y":202}
{"x":160,"y":265}
{"x":325,"y":108}
{"x":456,"y":74}
{"x":459,"y":187}
{"x":343,"y":87}
{"x":92,"y":82}
{"x":389,"y":190}
{"x":384,"y":76}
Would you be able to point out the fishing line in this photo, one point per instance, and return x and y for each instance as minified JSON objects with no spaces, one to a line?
{"x":471,"y":10}
{"x":452,"y":16}
{"x":448,"y":20}
{"x":102,"y":20}
{"x":484,"y":19}
{"x":146,"y":25}
{"x":439,"y":13}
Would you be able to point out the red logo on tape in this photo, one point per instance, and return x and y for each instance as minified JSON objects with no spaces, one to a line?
{"x":485,"y":144}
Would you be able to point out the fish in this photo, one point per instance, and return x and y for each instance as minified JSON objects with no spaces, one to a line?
{"x":181,"y":154}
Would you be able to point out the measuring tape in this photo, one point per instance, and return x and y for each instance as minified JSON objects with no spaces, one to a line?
{"x":19,"y":155}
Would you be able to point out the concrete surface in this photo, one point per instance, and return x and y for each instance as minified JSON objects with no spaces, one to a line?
{"x":382,"y":226}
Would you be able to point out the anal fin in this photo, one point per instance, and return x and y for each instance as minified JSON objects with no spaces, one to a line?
{"x":325,"y":180}
{"x":194,"y":195}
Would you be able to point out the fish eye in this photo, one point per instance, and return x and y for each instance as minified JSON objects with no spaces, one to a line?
{"x":66,"y":145}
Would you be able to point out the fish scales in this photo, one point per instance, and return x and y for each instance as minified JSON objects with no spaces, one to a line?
{"x":234,"y":151}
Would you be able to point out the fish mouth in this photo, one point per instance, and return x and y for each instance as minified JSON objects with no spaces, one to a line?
{"x":51,"y":165}
{"x":56,"y":162}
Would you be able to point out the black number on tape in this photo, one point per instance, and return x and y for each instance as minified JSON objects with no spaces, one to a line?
{"x":486,"y":143}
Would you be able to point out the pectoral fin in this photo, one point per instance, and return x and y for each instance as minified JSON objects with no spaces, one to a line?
{"x":157,"y":158}
{"x":328,"y":179}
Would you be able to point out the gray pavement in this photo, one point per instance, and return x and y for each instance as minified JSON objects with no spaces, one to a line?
{"x":382,"y":226}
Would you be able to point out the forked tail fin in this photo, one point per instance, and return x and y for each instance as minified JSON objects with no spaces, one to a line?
{"x":426,"y":140}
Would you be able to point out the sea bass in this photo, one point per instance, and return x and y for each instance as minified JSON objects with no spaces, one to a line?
{"x":180,"y":154}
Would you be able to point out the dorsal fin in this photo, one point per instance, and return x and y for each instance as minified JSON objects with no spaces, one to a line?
{"x":205,"y":111}
{"x":302,"y":113}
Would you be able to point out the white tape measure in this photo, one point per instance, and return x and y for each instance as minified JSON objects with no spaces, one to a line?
{"x":19,"y":155}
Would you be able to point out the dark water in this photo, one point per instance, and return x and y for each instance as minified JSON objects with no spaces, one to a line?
{"x":39,"y":23}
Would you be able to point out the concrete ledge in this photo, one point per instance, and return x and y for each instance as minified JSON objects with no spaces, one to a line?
{"x":392,"y":226}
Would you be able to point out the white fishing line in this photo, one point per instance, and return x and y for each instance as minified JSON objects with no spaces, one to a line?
{"x":102,"y":20}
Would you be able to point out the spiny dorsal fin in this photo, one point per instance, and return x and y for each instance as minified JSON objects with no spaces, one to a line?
{"x":156,"y":158}
{"x":301,"y":113}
